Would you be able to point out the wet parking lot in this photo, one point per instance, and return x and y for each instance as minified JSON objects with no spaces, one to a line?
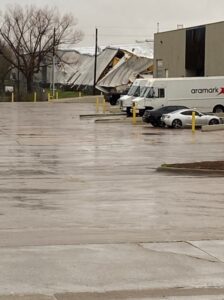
{"x":74,"y":191}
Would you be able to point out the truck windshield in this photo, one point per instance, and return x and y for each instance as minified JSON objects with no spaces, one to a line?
{"x":132,"y":90}
{"x":137,"y":91}
{"x":143,"y":90}
{"x":149,"y":92}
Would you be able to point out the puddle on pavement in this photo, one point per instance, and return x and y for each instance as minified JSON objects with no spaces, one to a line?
{"x":23,"y":173}
{"x":190,"y":174}
{"x":37,"y":206}
{"x":31,"y":191}
{"x":152,"y":133}
{"x":33,"y":204}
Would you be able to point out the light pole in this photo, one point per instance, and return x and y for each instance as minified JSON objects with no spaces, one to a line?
{"x":53,"y":66}
{"x":95,"y":62}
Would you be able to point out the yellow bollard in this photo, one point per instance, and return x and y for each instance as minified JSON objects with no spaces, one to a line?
{"x":35,"y":97}
{"x":104,"y":105}
{"x":193,"y":121}
{"x":97,"y":104}
{"x":80,"y":94}
{"x":133,"y":114}
{"x":57,"y":95}
{"x":12,"y":97}
{"x":48,"y":96}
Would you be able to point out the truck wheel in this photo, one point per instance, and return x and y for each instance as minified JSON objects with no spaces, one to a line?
{"x":128,"y":112}
{"x":177,"y":124}
{"x":113,"y":101}
{"x":218,"y":109}
{"x":141,"y":112}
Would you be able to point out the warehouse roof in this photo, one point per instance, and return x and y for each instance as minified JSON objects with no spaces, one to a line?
{"x":126,"y":71}
{"x":115,"y":67}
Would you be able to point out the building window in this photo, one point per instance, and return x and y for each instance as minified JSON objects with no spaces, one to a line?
{"x":195,"y":51}
{"x":159,"y":68}
{"x":166,"y":73}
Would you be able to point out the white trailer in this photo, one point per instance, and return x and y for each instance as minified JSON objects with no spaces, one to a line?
{"x":136,"y":89}
{"x":203,"y":93}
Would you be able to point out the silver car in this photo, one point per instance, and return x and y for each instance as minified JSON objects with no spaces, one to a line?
{"x":183,"y":118}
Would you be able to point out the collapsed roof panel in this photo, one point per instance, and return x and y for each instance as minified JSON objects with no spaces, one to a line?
{"x":86,"y":71}
{"x":71,"y":62}
{"x":116,"y":67}
{"x":127,"y":71}
{"x":139,"y":48}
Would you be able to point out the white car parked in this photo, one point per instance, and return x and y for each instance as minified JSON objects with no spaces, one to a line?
{"x":183,"y":118}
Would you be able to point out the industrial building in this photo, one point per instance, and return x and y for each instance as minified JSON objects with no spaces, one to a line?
{"x":190,"y":52}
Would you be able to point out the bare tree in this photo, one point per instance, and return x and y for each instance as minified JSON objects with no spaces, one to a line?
{"x":29,"y":36}
{"x":5,"y":68}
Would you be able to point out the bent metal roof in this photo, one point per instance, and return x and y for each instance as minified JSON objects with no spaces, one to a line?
{"x":126,"y":72}
{"x":79,"y":71}
{"x":87,"y":71}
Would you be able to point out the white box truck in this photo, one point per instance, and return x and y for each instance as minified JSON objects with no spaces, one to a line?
{"x":204,"y":93}
{"x":136,"y":89}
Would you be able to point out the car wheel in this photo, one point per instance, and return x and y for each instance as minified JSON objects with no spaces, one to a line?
{"x":213,"y":122}
{"x":145,"y":120}
{"x":155,"y":124}
{"x":161,"y":123}
{"x":177,"y":123}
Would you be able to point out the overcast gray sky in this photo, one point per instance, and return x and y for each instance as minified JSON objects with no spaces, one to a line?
{"x":125,"y":21}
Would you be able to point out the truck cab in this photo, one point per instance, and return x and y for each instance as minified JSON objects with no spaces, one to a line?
{"x":138,"y":88}
{"x":153,"y":97}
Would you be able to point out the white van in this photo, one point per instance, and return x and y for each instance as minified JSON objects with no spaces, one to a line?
{"x":136,"y":89}
{"x":204,"y":93}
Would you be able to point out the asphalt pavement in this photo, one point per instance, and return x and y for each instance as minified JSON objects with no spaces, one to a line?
{"x":85,"y":215}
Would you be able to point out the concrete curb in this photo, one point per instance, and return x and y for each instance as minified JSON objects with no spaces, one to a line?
{"x":27,"y":297}
{"x":189,"y":170}
{"x":102,"y":115}
{"x":212,"y":127}
{"x":123,"y":120}
{"x":84,"y":99}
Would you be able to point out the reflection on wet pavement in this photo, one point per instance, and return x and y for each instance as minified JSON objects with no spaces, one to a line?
{"x":62,"y":174}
